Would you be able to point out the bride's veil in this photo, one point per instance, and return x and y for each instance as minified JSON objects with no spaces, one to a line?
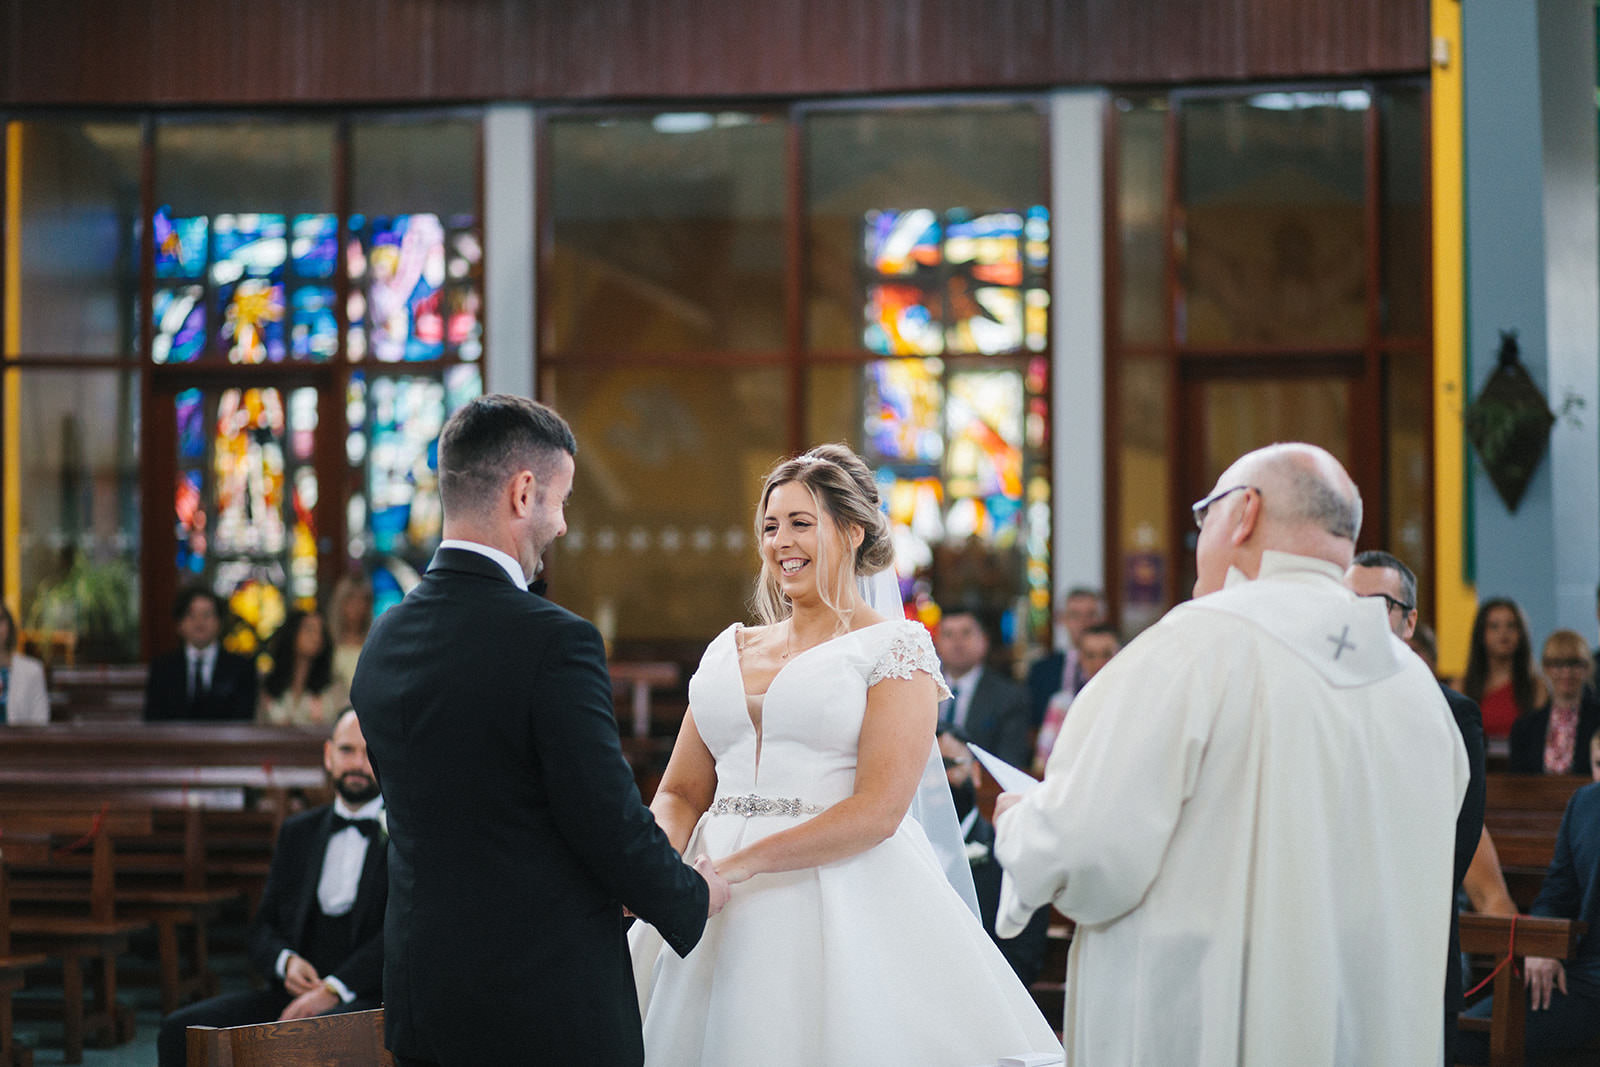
{"x":933,"y":806}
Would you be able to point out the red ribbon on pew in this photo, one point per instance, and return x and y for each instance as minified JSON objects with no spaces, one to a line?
{"x":94,"y":832}
{"x":1511,"y":954}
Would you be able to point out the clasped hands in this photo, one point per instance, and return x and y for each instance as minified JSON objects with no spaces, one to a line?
{"x":720,"y":891}
{"x":311,"y":996}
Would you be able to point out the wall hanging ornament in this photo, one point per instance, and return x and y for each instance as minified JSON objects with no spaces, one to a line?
{"x":1509,"y":424}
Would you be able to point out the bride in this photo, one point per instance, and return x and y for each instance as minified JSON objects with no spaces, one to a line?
{"x":794,"y":770}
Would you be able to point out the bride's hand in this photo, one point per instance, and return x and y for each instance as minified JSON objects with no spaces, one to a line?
{"x":735,"y":869}
{"x":715,"y":883}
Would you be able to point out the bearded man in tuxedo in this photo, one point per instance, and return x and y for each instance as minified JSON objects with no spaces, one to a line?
{"x":517,"y":836}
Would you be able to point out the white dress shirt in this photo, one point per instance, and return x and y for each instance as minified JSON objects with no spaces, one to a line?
{"x":512,"y":568}
{"x":962,"y":687}
{"x":341,"y":877}
{"x":208,"y":665}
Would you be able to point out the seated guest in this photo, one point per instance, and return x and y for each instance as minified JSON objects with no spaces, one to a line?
{"x":23,"y":700}
{"x":318,"y":936}
{"x":1025,"y":952}
{"x":1563,"y":999}
{"x":1062,"y":672}
{"x":200,"y":680}
{"x":1500,"y":675}
{"x":349,"y":619}
{"x":1095,"y":648}
{"x":300,"y":689}
{"x":1552,"y":739}
{"x":988,"y":706}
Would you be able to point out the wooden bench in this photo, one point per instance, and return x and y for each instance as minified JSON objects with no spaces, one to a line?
{"x":1491,"y":935}
{"x":97,"y":694}
{"x":348,"y":1039}
{"x":12,"y":968}
{"x":75,"y":932}
{"x":1522,"y":813}
{"x":160,"y":878}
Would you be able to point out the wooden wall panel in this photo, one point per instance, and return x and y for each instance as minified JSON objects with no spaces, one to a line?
{"x":178,"y":52}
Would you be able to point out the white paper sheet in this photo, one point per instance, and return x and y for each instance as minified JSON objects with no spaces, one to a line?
{"x":1009,"y":778}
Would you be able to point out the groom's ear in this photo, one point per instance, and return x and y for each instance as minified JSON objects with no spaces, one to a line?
{"x":523,"y":491}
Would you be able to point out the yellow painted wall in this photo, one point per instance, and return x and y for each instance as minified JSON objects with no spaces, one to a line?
{"x":1455,"y":599}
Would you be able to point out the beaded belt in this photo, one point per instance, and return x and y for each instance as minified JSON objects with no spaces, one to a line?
{"x":758,"y":805}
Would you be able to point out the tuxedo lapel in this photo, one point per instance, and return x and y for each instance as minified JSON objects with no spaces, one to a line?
{"x":373,"y":874}
{"x":307,"y":896}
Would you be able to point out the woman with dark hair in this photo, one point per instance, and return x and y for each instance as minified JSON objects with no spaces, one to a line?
{"x":300,"y":689}
{"x":22,"y":691}
{"x":1500,"y":674}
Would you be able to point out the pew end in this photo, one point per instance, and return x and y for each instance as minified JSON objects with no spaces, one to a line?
{"x":351,"y":1038}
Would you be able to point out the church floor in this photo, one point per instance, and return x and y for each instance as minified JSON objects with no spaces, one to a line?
{"x":44,"y":1037}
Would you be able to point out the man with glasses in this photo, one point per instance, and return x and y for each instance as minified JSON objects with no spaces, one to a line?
{"x":1381,"y":576}
{"x":1250,"y":813}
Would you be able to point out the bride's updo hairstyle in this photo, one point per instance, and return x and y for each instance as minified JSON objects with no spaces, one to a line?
{"x":842,"y":486}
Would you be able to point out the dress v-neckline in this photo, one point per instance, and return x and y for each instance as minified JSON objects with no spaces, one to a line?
{"x":760,"y":732}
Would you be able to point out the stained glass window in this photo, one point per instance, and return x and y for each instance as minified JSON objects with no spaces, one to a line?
{"x":180,"y":318}
{"x":415,"y":288}
{"x":246,"y":494}
{"x":394,"y":519}
{"x":964,"y":284}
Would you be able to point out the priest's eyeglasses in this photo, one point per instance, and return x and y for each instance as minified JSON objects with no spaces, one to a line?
{"x":1393,"y":604}
{"x":1200,"y":507}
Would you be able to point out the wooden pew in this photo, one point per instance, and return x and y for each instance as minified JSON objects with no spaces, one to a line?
{"x":97,"y":694}
{"x":172,"y":894}
{"x":74,"y":933}
{"x":12,"y":967}
{"x":1523,"y":815}
{"x":351,"y":1038}
{"x":1490,"y":935}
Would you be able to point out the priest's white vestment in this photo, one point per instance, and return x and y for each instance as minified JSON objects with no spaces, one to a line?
{"x":1250,"y":813}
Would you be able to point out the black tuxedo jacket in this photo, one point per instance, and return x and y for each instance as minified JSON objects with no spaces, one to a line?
{"x":1026,"y":951}
{"x":232,"y":696}
{"x":1527,"y":737}
{"x":998,"y":718}
{"x":516,"y":831}
{"x":290,"y":900}
{"x":1469,"y":827}
{"x":1044,"y":681}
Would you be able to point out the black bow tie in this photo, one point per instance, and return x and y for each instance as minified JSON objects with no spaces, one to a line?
{"x":369,"y":827}
{"x":538,"y":586}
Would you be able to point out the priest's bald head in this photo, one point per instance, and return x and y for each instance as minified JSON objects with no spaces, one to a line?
{"x":1287,"y":497}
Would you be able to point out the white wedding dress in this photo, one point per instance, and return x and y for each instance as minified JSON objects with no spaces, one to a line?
{"x":873,"y":959}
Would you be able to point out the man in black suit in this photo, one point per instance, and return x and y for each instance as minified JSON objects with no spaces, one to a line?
{"x":1025,"y":952}
{"x":989,"y":708}
{"x":1061,"y":672}
{"x":318,"y":935}
{"x":200,"y":681}
{"x":1381,"y":575}
{"x":518,"y":835}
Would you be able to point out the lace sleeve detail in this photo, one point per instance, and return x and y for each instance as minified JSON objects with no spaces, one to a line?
{"x":909,"y":651}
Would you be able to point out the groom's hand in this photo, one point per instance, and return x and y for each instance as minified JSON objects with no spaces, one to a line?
{"x":715,"y":882}
{"x":1005,"y":802}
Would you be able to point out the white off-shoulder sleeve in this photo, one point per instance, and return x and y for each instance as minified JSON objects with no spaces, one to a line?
{"x":910,"y":650}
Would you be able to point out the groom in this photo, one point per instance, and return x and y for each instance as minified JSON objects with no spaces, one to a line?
{"x":516,"y":832}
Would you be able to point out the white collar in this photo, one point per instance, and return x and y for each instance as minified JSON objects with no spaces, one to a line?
{"x":512,"y":568}
{"x":966,"y":682}
{"x":203,"y":654}
{"x":969,"y":822}
{"x":369,"y":810}
{"x":1275,"y":564}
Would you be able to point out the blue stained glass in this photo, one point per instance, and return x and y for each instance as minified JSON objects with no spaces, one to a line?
{"x":180,"y":245}
{"x":316,"y":245}
{"x":386,"y":591}
{"x":1037,"y":230}
{"x":461,"y":384}
{"x":247,"y":258}
{"x":900,"y":243}
{"x":405,"y":270}
{"x":191,"y":428}
{"x":191,"y":523}
{"x":315,"y":334}
{"x":180,"y":319}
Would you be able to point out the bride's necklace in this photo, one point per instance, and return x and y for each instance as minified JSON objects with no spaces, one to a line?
{"x":788,"y":644}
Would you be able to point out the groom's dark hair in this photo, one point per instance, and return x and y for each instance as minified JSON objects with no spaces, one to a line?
{"x":490,"y":439}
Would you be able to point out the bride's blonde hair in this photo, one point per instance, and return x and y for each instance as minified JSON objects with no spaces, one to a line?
{"x":842,"y":486}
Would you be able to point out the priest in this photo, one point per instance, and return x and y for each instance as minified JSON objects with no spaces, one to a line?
{"x":1250,"y":812}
